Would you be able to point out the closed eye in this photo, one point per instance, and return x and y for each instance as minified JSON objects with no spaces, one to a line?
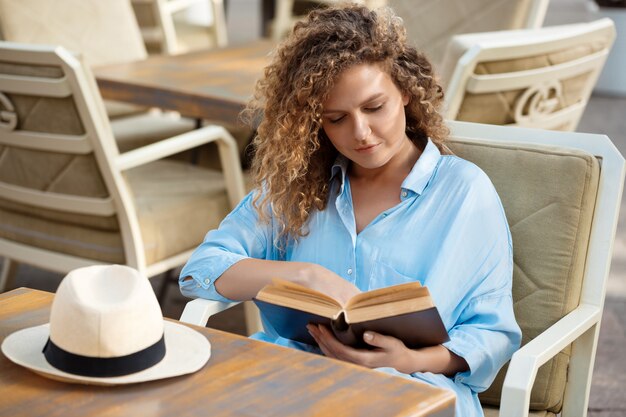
{"x":336,"y":120}
{"x":374,"y":109}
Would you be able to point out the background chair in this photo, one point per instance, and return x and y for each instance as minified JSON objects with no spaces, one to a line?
{"x":288,"y":12}
{"x":539,"y":78}
{"x":430,"y":24}
{"x":163,"y":34}
{"x":103,"y":32}
{"x":561,"y":192}
{"x":68,"y":198}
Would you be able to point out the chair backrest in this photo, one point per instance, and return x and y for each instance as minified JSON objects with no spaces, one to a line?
{"x":59,"y":189}
{"x":290,"y":11}
{"x":161,"y":34}
{"x":104,"y":32}
{"x":430,"y":24}
{"x":538,"y":78}
{"x":561,"y":194}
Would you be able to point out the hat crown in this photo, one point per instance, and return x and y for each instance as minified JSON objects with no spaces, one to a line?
{"x":105,"y":311}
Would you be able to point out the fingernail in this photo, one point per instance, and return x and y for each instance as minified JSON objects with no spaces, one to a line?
{"x":367,"y":336}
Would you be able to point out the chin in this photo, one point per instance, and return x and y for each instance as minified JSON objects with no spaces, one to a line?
{"x":370,"y":164}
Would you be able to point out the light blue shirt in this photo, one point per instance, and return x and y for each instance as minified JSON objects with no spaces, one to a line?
{"x":449,"y":232}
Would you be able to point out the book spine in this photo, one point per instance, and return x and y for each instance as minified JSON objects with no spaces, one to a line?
{"x":345,"y":333}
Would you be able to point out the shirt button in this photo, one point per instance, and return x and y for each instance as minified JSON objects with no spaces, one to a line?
{"x":404,"y":193}
{"x":349,"y":271}
{"x":384,"y":214}
{"x":207,"y":281}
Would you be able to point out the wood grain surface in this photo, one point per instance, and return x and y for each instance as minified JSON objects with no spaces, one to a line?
{"x":211,"y":84}
{"x":243,"y":378}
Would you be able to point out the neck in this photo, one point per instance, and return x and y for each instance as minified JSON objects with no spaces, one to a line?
{"x":397,"y":168}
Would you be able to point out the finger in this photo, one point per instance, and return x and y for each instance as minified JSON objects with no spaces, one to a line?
{"x":320,"y":341}
{"x":330,"y":342}
{"x":381,"y":341}
{"x":338,"y":349}
{"x":327,"y":352}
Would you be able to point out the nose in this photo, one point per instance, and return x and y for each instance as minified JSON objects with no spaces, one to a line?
{"x":362,"y":128}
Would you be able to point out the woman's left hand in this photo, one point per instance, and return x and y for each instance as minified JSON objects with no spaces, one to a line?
{"x":389,"y":352}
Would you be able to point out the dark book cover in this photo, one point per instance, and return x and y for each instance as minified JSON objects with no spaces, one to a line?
{"x":417,"y":329}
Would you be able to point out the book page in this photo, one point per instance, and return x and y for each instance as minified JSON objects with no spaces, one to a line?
{"x":388,"y":294}
{"x":288,"y":294}
{"x":294,"y":288}
{"x":395,"y":308}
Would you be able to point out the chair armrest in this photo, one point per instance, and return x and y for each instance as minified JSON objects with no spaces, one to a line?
{"x":199,"y":311}
{"x":524,"y":364}
{"x":227,"y":147}
{"x":171,"y":146}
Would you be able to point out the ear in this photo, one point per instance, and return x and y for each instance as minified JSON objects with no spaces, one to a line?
{"x":405,"y":99}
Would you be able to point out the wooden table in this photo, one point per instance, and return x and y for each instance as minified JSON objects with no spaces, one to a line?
{"x":211,"y":84}
{"x":243,"y":377}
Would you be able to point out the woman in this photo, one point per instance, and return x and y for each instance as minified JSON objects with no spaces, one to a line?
{"x":359,"y":191}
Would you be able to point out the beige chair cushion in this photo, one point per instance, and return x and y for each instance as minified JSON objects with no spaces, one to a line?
{"x":176,"y":204}
{"x":143,"y":129}
{"x":450,"y":17}
{"x":61,"y":173}
{"x":549,"y":196}
{"x":112,"y":26}
{"x":498,"y":108}
{"x":117,"y":109}
{"x":494,"y":412}
{"x":111,"y":36}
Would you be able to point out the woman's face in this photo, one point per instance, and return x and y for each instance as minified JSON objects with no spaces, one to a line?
{"x":364,"y":117}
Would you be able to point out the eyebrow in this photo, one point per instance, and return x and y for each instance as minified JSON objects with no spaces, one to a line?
{"x":367,"y":100}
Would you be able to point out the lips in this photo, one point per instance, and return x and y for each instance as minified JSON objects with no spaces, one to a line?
{"x":367,"y":148}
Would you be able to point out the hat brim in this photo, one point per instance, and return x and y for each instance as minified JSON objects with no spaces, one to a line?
{"x":186,"y":352}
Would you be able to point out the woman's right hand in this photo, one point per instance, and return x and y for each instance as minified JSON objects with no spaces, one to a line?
{"x":244,"y":279}
{"x":325,"y":281}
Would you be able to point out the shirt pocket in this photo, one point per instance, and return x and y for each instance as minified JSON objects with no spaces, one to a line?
{"x":383,"y":275}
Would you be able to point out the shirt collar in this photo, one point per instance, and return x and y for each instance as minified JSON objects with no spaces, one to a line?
{"x":340,"y":167}
{"x":423,"y":170}
{"x":417,"y":179}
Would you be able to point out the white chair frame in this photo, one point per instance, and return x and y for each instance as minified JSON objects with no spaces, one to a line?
{"x":542,"y":86}
{"x":284,"y":18}
{"x":284,"y":14}
{"x":523,"y":14}
{"x":581,"y":327}
{"x":79,"y":82}
{"x":165,"y":33}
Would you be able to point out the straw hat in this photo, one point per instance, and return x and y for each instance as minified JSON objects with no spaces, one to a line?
{"x":106,"y":328}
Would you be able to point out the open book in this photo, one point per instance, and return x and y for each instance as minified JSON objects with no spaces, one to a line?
{"x":404,"y":311}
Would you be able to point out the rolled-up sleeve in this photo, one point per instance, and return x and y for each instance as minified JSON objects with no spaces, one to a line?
{"x":239,"y":236}
{"x":484,"y":331}
{"x":486,"y":336}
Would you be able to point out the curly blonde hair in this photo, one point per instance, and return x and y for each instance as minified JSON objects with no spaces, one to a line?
{"x":293,"y":156}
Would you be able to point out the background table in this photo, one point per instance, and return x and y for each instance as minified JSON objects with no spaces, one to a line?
{"x":212,"y":84}
{"x":243,"y":377}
